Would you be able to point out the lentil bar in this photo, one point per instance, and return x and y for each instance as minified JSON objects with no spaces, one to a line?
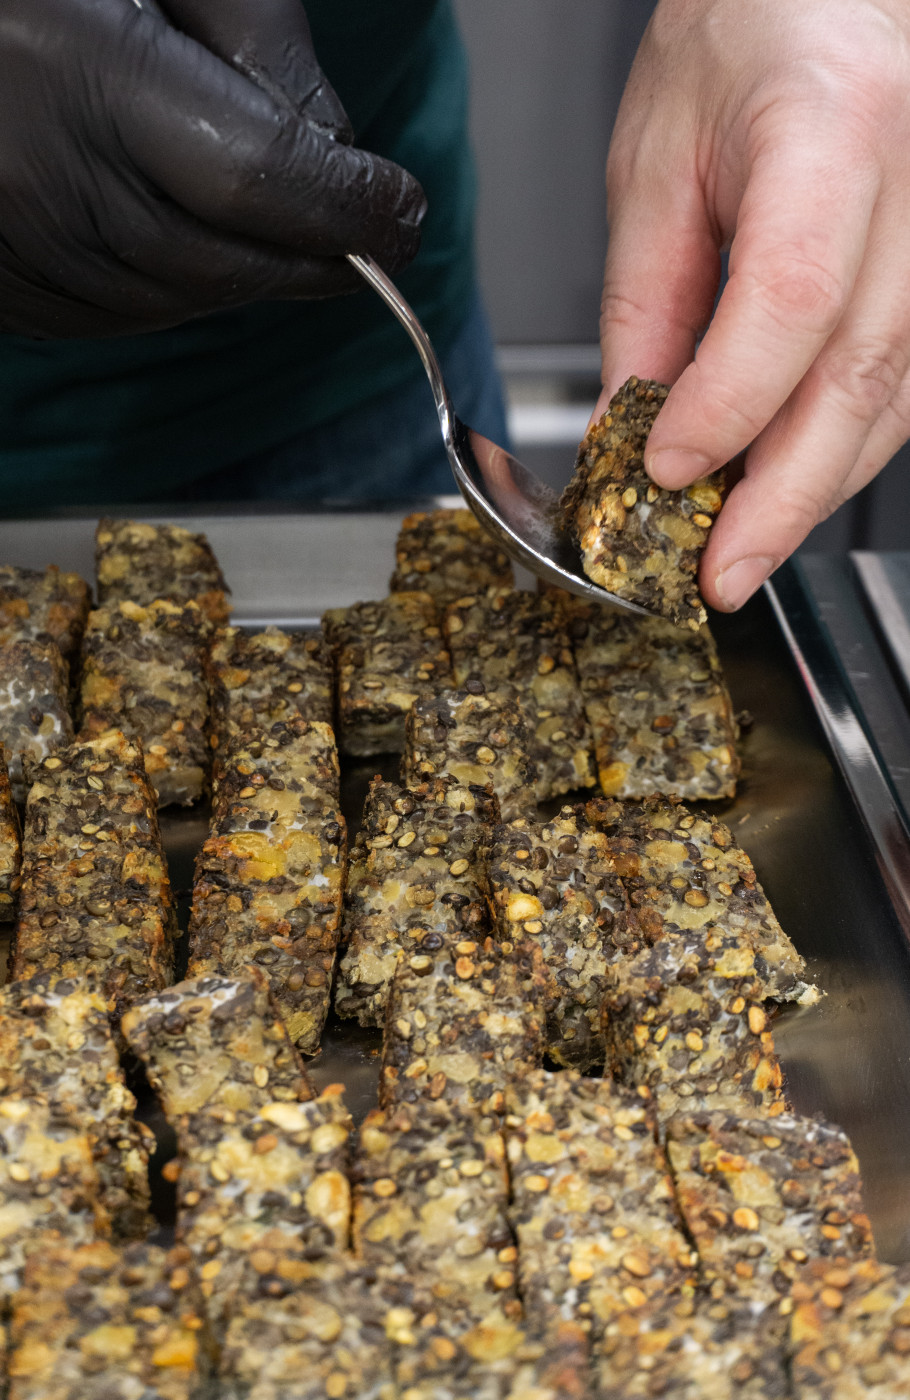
{"x":10,"y":847}
{"x":849,"y":1331}
{"x":95,"y":896}
{"x":517,"y":642}
{"x":48,"y":607}
{"x":387,"y":655}
{"x":554,"y":883}
{"x":447,"y":554}
{"x":637,"y":540}
{"x":34,"y":709}
{"x":143,"y":671}
{"x":139,"y":563}
{"x":270,"y":678}
{"x":416,"y":868}
{"x":269,"y":878}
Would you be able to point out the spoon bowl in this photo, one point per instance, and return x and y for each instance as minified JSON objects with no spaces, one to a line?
{"x":518,"y":509}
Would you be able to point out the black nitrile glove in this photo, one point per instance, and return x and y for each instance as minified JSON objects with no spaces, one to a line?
{"x":145,"y":180}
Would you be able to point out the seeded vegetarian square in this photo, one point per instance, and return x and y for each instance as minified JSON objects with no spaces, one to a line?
{"x":55,"y":1040}
{"x":95,"y":898}
{"x":694,"y":1348}
{"x":637,"y":540}
{"x":260,"y":1197}
{"x":417,"y":867}
{"x":48,"y":1184}
{"x":684,"y":1021}
{"x":325,"y":1338}
{"x":657,"y":704}
{"x":849,"y":1331}
{"x":513,"y":641}
{"x":592,"y":1202}
{"x":270,"y":678}
{"x":48,"y":607}
{"x":138,"y":562}
{"x":10,"y":846}
{"x":760,"y":1195}
{"x":387,"y":654}
{"x":34,"y":709}
{"x":93,"y":1321}
{"x":477,"y":739}
{"x":447,"y":553}
{"x":685,"y":872}
{"x":464,"y":1020}
{"x":554,"y":883}
{"x":213,"y":1042}
{"x":269,"y":879}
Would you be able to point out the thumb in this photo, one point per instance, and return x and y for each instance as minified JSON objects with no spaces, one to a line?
{"x":269,"y":41}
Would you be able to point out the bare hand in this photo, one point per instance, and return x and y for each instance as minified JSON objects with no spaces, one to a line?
{"x":784,"y":128}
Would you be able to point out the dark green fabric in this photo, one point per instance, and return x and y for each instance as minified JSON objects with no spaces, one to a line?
{"x":83,"y":422}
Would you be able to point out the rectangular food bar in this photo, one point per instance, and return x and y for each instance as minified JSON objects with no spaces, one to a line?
{"x":448,"y":554}
{"x":260,"y":1197}
{"x":760,"y":1195}
{"x":265,"y":679}
{"x":507,"y":639}
{"x":48,"y":1184}
{"x":10,"y":846}
{"x":138,"y":562}
{"x":685,"y":1023}
{"x":464,"y":1020}
{"x":686,"y":872}
{"x":592,"y":1202}
{"x":387,"y":654}
{"x":637,"y":540}
{"x":95,"y":896}
{"x":56,"y":1040}
{"x":216,"y":1042}
{"x":477,"y":739}
{"x":554,"y":883}
{"x":269,"y":878}
{"x":94,"y":1321}
{"x":48,"y":607}
{"x":657,"y":704}
{"x":416,"y":868}
{"x":143,"y":671}
{"x":34,"y":708}
{"x":693,"y":1348}
{"x":849,"y":1331}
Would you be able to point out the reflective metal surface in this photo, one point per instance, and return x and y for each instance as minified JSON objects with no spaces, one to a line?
{"x":819,"y":858}
{"x":513,"y":504}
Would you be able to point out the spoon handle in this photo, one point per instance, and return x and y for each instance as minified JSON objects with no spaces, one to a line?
{"x":390,"y":294}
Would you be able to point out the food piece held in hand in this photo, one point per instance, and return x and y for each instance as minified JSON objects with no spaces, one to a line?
{"x":686,"y":872}
{"x":685,"y":1022}
{"x":447,"y":553}
{"x":477,"y":739}
{"x":95,"y":899}
{"x":465,"y":1019}
{"x":518,"y":642}
{"x":387,"y":655}
{"x":269,"y":878}
{"x":48,"y":607}
{"x":267,"y":678}
{"x":759,"y":1196}
{"x":138,"y":562}
{"x":417,"y":867}
{"x":657,"y":704}
{"x":143,"y":672}
{"x":34,"y":709}
{"x":216,"y":1042}
{"x":636,"y":539}
{"x":554,"y":884}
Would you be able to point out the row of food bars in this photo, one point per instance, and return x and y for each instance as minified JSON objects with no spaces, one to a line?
{"x":498,"y":1229}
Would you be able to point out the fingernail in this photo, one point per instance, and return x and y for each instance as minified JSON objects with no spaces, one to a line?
{"x":673,"y":467}
{"x":739,"y":581}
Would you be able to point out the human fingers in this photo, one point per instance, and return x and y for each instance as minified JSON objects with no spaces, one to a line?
{"x":801,"y":235}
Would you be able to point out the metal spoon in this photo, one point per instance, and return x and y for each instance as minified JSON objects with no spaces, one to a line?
{"x":512,"y":504}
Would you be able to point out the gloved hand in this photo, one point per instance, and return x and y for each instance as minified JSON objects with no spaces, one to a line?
{"x":144,"y":180}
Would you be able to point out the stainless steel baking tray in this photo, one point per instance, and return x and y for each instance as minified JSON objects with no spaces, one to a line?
{"x":815,"y":812}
